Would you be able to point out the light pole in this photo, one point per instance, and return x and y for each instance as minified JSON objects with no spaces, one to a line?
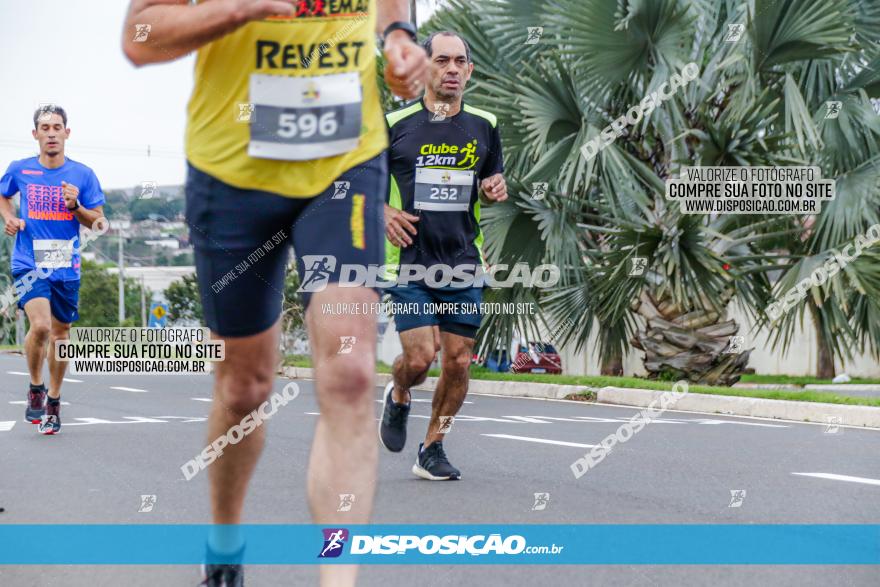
{"x":121,"y":263}
{"x":143,"y":302}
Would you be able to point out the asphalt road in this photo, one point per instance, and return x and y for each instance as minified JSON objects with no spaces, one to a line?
{"x":124,"y":436}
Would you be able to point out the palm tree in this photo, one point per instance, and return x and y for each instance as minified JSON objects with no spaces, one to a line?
{"x":758,"y":101}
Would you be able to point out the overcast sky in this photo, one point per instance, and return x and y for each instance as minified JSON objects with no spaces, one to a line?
{"x":68,"y":52}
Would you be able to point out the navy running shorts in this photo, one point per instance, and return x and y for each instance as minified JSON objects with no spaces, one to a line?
{"x":455,"y":310}
{"x":241,"y":239}
{"x":63,"y":296}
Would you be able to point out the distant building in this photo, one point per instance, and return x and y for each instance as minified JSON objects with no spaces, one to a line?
{"x":156,"y":279}
{"x":166,"y":243}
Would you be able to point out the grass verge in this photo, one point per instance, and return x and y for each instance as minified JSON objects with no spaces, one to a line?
{"x":598,"y":381}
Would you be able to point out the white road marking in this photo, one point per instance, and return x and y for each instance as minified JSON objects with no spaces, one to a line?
{"x":24,"y":403}
{"x":28,"y":375}
{"x":464,"y":418}
{"x":527,"y":419}
{"x":558,"y":419}
{"x":591,"y":405}
{"x":421,"y":401}
{"x":128,"y":420}
{"x":89,"y":421}
{"x":7,"y":426}
{"x":201,"y":399}
{"x":835,"y":477}
{"x":624,"y":420}
{"x":715,"y":422}
{"x":540,"y":440}
{"x":133,"y":389}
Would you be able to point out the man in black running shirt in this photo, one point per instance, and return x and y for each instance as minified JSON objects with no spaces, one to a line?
{"x":445,"y":161}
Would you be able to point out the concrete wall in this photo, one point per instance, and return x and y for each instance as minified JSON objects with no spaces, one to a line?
{"x":800,"y":359}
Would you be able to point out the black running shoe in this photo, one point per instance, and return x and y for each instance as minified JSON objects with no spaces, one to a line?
{"x":392,"y":428}
{"x":223,"y":570}
{"x":51,"y":422}
{"x":36,"y":404}
{"x":222,"y":575}
{"x":432,"y":464}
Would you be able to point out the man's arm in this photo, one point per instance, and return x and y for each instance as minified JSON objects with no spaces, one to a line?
{"x":87,"y":217}
{"x":177,"y":27}
{"x":78,"y":207}
{"x":391,"y":11}
{"x":8,"y":188}
{"x":12,"y":223}
{"x":406,"y":62}
{"x":493,"y":187}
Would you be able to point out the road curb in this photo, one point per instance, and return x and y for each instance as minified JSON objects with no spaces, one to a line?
{"x":842,"y":387}
{"x":478,"y":386}
{"x":865,"y":416}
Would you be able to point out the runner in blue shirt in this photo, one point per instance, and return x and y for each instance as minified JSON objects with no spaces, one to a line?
{"x":57,"y":196}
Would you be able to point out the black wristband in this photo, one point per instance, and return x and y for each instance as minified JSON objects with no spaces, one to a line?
{"x":401,"y":25}
{"x":74,"y":208}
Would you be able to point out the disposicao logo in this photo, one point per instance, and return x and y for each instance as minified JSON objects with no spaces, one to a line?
{"x":334,"y":541}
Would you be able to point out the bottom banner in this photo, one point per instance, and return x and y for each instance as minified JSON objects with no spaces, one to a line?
{"x":662,"y":544}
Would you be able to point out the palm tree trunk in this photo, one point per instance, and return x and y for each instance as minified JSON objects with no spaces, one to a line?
{"x":824,"y":355}
{"x":612,"y":366}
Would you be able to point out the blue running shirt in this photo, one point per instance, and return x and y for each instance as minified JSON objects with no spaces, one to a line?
{"x":48,"y":223}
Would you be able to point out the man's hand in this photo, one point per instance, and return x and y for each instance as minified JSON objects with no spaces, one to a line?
{"x":494,"y":188}
{"x":405,"y":65}
{"x":397,"y":224}
{"x":13,"y":225}
{"x":70,"y":193}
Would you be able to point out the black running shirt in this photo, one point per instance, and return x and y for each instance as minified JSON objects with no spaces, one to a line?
{"x":437,"y":163}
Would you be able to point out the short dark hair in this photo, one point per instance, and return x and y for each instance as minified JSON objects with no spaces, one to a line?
{"x":48,"y":110}
{"x":430,"y":41}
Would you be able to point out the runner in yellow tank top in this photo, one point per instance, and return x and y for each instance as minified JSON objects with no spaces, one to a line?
{"x":285,"y":144}
{"x":320,"y":61}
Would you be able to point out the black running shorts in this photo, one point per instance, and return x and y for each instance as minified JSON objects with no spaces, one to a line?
{"x":241,"y":239}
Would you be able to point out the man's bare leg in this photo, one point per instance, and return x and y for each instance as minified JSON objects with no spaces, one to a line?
{"x":453,"y":383}
{"x":60,"y":331}
{"x":344,"y":453}
{"x":39,"y":315}
{"x":242,"y":382}
{"x":420,"y":346}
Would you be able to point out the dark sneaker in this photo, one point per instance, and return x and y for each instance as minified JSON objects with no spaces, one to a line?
{"x":222,"y":575}
{"x":432,"y":464}
{"x":36,"y":404}
{"x":392,"y":428}
{"x":223,"y":570}
{"x":51,"y":422}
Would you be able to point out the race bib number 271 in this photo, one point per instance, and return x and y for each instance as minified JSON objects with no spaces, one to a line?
{"x":303,"y":118}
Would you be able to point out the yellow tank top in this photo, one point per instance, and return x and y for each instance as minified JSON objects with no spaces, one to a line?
{"x":287,"y":104}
